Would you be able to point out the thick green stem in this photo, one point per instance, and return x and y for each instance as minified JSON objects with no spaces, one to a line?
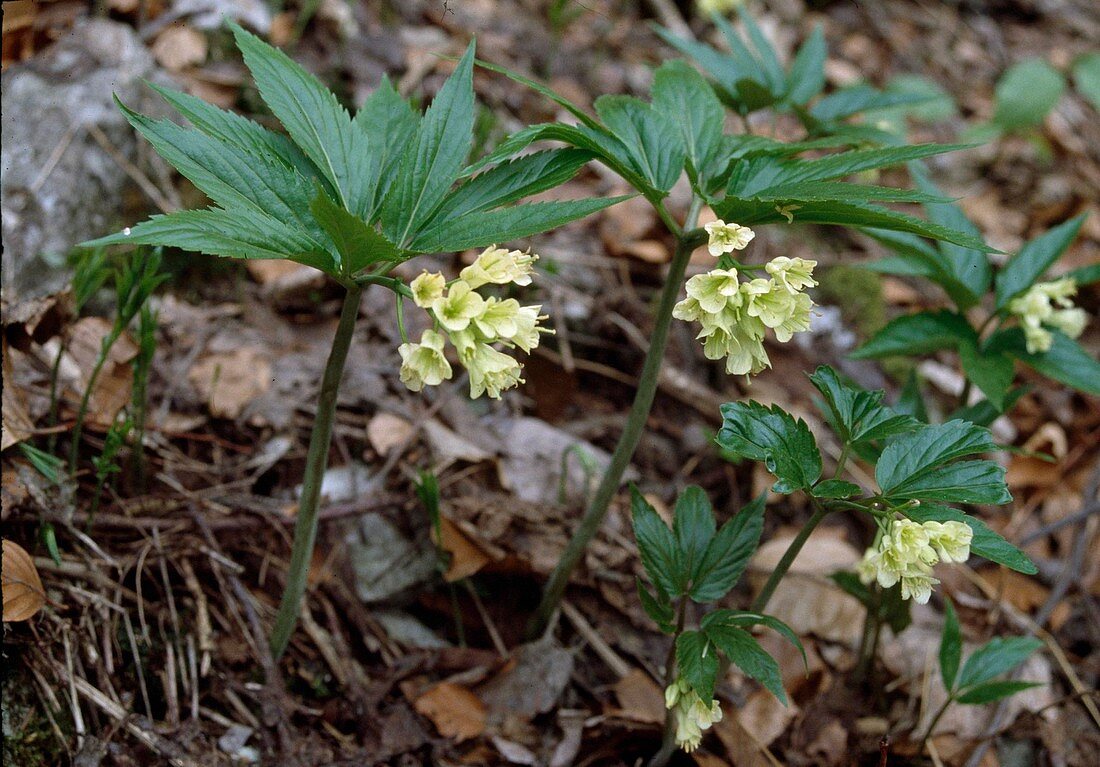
{"x":305,"y":527}
{"x":868,"y":640}
{"x":785,"y":563}
{"x":628,"y":441}
{"x":668,"y":741}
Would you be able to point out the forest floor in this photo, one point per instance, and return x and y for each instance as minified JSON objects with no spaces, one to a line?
{"x":152,"y":646}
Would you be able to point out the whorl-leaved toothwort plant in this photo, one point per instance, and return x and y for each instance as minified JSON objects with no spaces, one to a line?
{"x":354,"y":196}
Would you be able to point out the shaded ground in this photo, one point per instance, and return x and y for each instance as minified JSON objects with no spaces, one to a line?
{"x":152,"y":649}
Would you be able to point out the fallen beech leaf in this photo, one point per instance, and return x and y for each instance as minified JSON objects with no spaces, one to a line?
{"x":455,"y":711}
{"x":741,"y":745}
{"x":640,"y":698}
{"x":806,"y":599}
{"x":387,"y":431}
{"x":17,"y":424}
{"x":113,"y":387}
{"x":179,"y":47}
{"x":229,"y":381}
{"x":466,"y":557}
{"x":765,"y":717}
{"x":23,"y":592}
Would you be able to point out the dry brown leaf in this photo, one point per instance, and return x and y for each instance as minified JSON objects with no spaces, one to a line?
{"x":466,"y":557}
{"x":387,"y":431}
{"x":765,"y":717}
{"x":806,"y":599}
{"x":704,"y":759}
{"x":179,"y":47}
{"x":23,"y":592}
{"x":229,"y":381}
{"x":15,"y":424}
{"x":743,"y":748}
{"x":455,"y":711}
{"x":112,"y":388}
{"x":640,"y":699}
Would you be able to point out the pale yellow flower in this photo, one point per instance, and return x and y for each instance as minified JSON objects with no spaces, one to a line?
{"x":691,"y":714}
{"x":500,"y":267}
{"x":528,"y":329}
{"x":726,"y":238}
{"x":794,"y":274}
{"x":491,"y":371}
{"x":917,"y":585}
{"x":1036,"y":308}
{"x":715,"y":289}
{"x":427,"y":288}
{"x":723,"y":7}
{"x":950,"y":539}
{"x":458,"y":307}
{"x":424,"y":364}
{"x":498,"y":319}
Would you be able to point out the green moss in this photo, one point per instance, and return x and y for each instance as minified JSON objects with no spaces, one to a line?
{"x":29,"y":739}
{"x":858,"y":295}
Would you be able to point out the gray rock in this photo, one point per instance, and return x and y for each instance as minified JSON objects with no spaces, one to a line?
{"x":59,"y":186}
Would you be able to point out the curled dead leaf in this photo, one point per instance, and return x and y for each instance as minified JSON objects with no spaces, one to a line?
{"x":23,"y":592}
{"x":455,"y":711}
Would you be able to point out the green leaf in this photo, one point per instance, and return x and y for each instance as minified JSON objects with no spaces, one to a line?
{"x":697,"y":660}
{"x":950,"y":646}
{"x":1034,"y":258}
{"x":967,"y":265}
{"x":840,"y":191}
{"x":766,"y":55}
{"x":786,"y":446}
{"x":836,"y":488}
{"x":846,"y":163}
{"x":986,"y":543}
{"x":656,"y":607}
{"x":229,"y":176}
{"x":513,"y":180}
{"x":997,"y":656}
{"x":856,"y":414}
{"x":807,"y":76}
{"x":433,"y":157}
{"x":963,"y":482}
{"x":1085,"y":275}
{"x":743,"y":619}
{"x":728,"y":553}
{"x":991,"y":371}
{"x":911,"y":458}
{"x":750,"y":211}
{"x":1086,"y":77}
{"x":683,"y":96}
{"x":895,"y":611}
{"x":489,"y":227}
{"x":657,"y":546}
{"x":746,"y":653}
{"x":693,"y":526}
{"x":237,"y":234}
{"x":983,"y":413}
{"x":390,"y":123}
{"x":850,"y":583}
{"x":652,"y":139}
{"x":911,"y":400}
{"x":358,"y":243}
{"x":991,"y":691}
{"x":239,"y":131}
{"x":1065,"y":361}
{"x":315,"y":120}
{"x":541,"y":89}
{"x":919,"y":333}
{"x":1026,"y":93}
{"x":918,"y":258}
{"x":857,"y":98}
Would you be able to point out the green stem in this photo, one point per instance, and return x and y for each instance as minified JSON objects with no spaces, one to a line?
{"x":932,"y":725}
{"x":82,"y":413}
{"x":55,"y":374}
{"x":869,"y":638}
{"x":668,"y":740}
{"x":789,"y":555}
{"x":843,"y":460}
{"x":628,"y":440}
{"x":305,"y":527}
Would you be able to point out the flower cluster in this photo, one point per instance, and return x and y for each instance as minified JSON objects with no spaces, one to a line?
{"x":1036,"y":308}
{"x":735,"y":314}
{"x":907,"y":552}
{"x":473,"y":323}
{"x":691,"y":713}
